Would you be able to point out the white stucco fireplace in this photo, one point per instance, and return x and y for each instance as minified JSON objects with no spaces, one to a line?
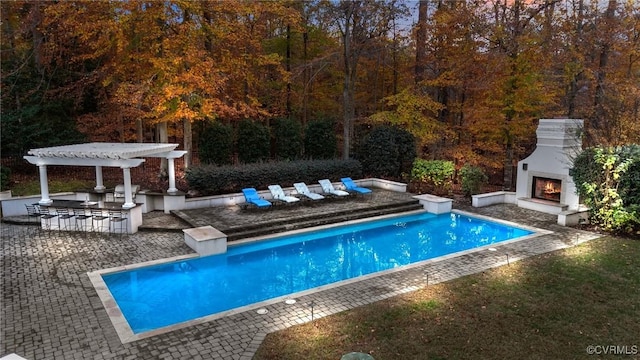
{"x":543,"y":181}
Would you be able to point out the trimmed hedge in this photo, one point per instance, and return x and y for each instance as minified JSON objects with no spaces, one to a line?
{"x":216,"y":144}
{"x":214,"y":180}
{"x":320,"y":140}
{"x":5,"y":173}
{"x":387,"y":151}
{"x":287,"y":139}
{"x":253,"y":142}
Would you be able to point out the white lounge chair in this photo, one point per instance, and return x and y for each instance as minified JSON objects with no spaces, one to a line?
{"x":278,"y":194}
{"x":302,"y":189}
{"x":327,"y":188}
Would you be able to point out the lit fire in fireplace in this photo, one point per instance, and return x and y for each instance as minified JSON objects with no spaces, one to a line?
{"x":549,"y":188}
{"x":546,"y":189}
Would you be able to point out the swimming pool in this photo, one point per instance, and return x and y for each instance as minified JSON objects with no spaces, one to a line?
{"x":162,"y":295}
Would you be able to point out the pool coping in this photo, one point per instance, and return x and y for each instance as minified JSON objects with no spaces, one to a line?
{"x":126,"y":334}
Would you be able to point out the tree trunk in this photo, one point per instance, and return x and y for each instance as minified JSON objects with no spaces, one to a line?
{"x":349,"y":114}
{"x":421,"y":41}
{"x":600,"y":126}
{"x":575,"y":78}
{"x":36,"y":33}
{"x":187,"y":142}
{"x":306,"y":78}
{"x":163,"y":138}
{"x":288,"y":65}
{"x":508,"y":167}
{"x":139,"y":131}
{"x":347,"y":92}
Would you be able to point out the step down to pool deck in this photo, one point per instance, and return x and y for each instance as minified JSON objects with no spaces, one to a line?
{"x":178,"y":221}
{"x":301,"y":222}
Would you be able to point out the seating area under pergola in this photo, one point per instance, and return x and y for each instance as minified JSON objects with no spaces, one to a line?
{"x":99,"y":155}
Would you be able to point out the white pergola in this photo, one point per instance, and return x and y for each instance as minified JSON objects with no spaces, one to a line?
{"x":99,"y":155}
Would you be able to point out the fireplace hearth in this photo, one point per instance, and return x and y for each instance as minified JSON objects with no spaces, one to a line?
{"x":546,"y":189}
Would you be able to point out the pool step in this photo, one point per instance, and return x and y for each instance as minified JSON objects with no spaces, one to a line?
{"x":288,"y":217}
{"x":388,"y":208}
{"x":306,"y":222}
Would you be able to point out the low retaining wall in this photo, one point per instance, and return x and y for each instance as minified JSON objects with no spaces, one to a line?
{"x":565,"y":217}
{"x":380,"y":184}
{"x":492,"y":198}
{"x":238,"y":198}
{"x":15,"y":206}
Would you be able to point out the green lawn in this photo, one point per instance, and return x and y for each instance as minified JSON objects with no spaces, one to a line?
{"x":32,"y":187}
{"x":551,"y":306}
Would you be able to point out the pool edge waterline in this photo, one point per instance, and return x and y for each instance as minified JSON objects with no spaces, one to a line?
{"x":126,"y":334}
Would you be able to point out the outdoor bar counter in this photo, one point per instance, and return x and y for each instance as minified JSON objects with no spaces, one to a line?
{"x":107,"y":209}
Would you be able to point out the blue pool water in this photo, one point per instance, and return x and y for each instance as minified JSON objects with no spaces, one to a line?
{"x":166,"y":294}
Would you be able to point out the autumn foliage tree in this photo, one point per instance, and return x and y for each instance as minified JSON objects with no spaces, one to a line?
{"x":469,"y":83}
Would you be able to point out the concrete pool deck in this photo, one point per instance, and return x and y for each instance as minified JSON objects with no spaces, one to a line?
{"x":50,"y":309}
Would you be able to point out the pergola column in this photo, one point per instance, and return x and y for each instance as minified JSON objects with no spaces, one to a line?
{"x":172,"y":176}
{"x":128,"y":197}
{"x":171,"y":156}
{"x":99,"y":184}
{"x":44,"y":186}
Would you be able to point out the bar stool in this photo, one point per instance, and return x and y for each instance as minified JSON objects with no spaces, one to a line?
{"x":97,"y":217}
{"x":47,"y":215}
{"x":65,"y":215}
{"x":33,"y":212}
{"x":82,"y":215}
{"x":118,"y":218}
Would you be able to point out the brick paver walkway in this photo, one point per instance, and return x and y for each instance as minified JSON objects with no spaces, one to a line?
{"x":50,"y":310}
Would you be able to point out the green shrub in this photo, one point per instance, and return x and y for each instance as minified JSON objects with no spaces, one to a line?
{"x":630,"y":182}
{"x":472,"y":179}
{"x":287,"y":138}
{"x":387,"y":152}
{"x":216,"y":144}
{"x":436,"y":173}
{"x":253,"y":142}
{"x":378,"y":153}
{"x":320,"y":140}
{"x":213,"y":180}
{"x":607,"y":182}
{"x":406,"y":149}
{"x":5,"y":174}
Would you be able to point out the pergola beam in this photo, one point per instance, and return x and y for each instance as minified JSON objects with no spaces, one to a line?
{"x":121,"y":163}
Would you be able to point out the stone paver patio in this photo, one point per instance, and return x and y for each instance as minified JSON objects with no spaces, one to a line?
{"x":50,"y":309}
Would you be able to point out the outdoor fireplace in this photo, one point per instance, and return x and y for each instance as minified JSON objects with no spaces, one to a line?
{"x":544,"y":183}
{"x":546,"y":189}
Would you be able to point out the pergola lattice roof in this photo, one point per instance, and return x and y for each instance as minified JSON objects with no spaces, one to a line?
{"x":113,"y":151}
